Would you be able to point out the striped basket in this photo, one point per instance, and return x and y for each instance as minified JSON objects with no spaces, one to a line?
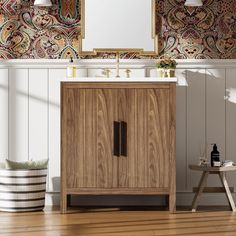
{"x":22,"y":190}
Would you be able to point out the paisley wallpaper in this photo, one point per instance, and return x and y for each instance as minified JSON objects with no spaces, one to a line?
{"x":203,"y":32}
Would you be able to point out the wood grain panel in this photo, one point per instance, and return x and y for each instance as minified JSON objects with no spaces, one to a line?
{"x":55,"y":77}
{"x":89,"y":115}
{"x":73,"y":134}
{"x":81,"y":166}
{"x":120,"y":85}
{"x":64,"y":148}
{"x":158,"y":137}
{"x":172,"y":148}
{"x":126,"y":112}
{"x":88,"y":163}
{"x":87,"y":133}
{"x":147,"y":114}
{"x":141,"y":161}
{"x":120,"y":191}
{"x":106,"y":102}
{"x":82,"y":98}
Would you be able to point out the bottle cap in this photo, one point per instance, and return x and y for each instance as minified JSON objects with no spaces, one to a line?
{"x":214,"y":146}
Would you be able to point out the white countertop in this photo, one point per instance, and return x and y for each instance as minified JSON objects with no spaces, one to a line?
{"x":122,"y":79}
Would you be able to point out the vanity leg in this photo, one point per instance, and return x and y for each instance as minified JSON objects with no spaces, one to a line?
{"x":172,"y":202}
{"x":63,"y":203}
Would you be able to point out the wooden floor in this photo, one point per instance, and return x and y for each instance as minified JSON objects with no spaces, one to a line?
{"x":114,"y":222}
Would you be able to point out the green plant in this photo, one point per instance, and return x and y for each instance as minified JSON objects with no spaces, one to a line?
{"x":166,"y":64}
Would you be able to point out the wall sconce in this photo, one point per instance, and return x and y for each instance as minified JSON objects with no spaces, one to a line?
{"x":43,"y":3}
{"x":193,"y":3}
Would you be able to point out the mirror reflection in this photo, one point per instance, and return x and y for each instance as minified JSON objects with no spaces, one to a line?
{"x":118,"y":25}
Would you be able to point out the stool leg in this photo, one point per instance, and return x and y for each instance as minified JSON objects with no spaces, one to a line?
{"x":201,"y":186}
{"x":227,"y":190}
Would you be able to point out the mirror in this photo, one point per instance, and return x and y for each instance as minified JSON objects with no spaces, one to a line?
{"x":118,"y":26}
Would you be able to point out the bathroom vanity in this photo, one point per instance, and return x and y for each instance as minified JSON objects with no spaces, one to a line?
{"x":118,"y":137}
{"x":118,"y":134}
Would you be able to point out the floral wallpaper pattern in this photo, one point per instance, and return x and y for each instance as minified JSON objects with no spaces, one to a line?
{"x":202,"y":32}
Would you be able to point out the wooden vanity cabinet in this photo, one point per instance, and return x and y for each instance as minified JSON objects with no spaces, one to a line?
{"x":117,"y":138}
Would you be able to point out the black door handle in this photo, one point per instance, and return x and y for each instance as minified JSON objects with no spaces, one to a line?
{"x":116,"y":138}
{"x":123,"y":140}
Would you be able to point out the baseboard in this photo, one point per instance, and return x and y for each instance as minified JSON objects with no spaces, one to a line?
{"x":183,"y":199}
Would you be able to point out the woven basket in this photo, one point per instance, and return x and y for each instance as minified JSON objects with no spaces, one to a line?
{"x":22,"y":190}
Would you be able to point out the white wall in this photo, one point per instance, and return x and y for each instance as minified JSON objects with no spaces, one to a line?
{"x":30,"y":115}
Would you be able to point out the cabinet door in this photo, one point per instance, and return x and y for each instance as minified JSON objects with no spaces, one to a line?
{"x":146,"y":112}
{"x":87,"y":128}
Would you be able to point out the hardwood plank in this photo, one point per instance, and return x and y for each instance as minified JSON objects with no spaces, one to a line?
{"x":114,"y":222}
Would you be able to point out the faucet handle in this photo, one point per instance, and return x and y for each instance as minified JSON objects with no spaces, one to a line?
{"x":127,"y":71}
{"x":106,"y":72}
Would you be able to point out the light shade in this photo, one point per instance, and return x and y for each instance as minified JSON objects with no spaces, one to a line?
{"x":193,"y":3}
{"x":43,"y":3}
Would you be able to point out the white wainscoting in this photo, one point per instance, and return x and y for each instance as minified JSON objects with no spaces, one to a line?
{"x":30,"y":116}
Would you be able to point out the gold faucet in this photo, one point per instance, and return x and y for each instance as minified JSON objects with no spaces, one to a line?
{"x":106,"y":72}
{"x":128,"y":71}
{"x":117,"y":65}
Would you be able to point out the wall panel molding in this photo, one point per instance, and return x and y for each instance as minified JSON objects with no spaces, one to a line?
{"x":30,"y":113}
{"x":132,"y":63}
{"x":4,"y":114}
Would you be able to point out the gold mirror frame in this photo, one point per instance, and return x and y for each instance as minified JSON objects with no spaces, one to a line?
{"x":139,"y":51}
